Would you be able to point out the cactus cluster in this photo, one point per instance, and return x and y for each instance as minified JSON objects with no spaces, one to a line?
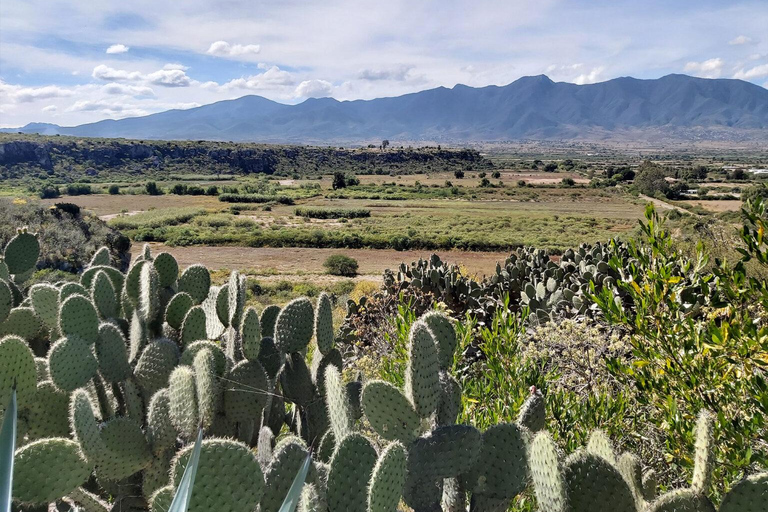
{"x":116,"y":373}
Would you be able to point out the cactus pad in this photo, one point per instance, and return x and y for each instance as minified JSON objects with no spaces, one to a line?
{"x":149,"y":293}
{"x":22,"y":322}
{"x":196,"y":281}
{"x":45,"y":302}
{"x":351,"y":469}
{"x":289,"y":455}
{"x":501,"y":472}
{"x":6,"y":300}
{"x":188,"y":356}
{"x":704,"y":455}
{"x":183,"y":398}
{"x":193,"y":329}
{"x":112,"y":354}
{"x":21,"y":253}
{"x":78,"y":318}
{"x":450,"y":400}
{"x":338,"y":403}
{"x":48,"y":469}
{"x":268,"y":320}
{"x":544,"y":467}
{"x":445,"y":452}
{"x":321,"y":363}
{"x":47,"y":414}
{"x":600,"y":445}
{"x":445,"y":337}
{"x":245,"y":391}
{"x":17,"y":364}
{"x":101,"y":257}
{"x":177,"y":309}
{"x":161,"y":500}
{"x":294,"y":326}
{"x":85,"y":427}
{"x":749,"y":495}
{"x":250,"y":333}
{"x":126,"y":452}
{"x":270,"y":357}
{"x":391,"y":415}
{"x":422,"y":380}
{"x":71,"y":363}
{"x":207,"y":383}
{"x":157,"y":361}
{"x":296,"y":380}
{"x":324,"y":323}
{"x":681,"y":500}
{"x":167,"y":269}
{"x":160,"y":430}
{"x":104,"y":297}
{"x":228,"y":479}
{"x":592,"y":483}
{"x":533,"y":412}
{"x":388,"y":479}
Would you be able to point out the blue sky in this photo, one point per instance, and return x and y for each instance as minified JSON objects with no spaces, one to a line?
{"x":71,"y":62}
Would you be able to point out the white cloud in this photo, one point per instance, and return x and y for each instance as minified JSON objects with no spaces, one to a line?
{"x":741,"y":40}
{"x":176,"y":66}
{"x":117,"y":48}
{"x":224,"y":49}
{"x":128,"y":90}
{"x":591,"y":77}
{"x":398,"y":73}
{"x":755,"y":72}
{"x":314,"y":89}
{"x":711,"y":68}
{"x":50,"y":108}
{"x":272,"y":78}
{"x":173,"y":77}
{"x":19,"y":94}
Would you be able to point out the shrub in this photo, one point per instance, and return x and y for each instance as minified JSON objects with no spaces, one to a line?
{"x":152,"y":189}
{"x":650,"y":180}
{"x":522,"y":183}
{"x":458,"y":174}
{"x":496,"y":175}
{"x":254,"y":198}
{"x":49,"y":192}
{"x":332,"y":213}
{"x":567,"y":182}
{"x":114,"y":190}
{"x":78,"y":189}
{"x":341,"y":265}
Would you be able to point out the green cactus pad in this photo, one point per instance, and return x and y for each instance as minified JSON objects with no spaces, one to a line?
{"x":45,"y":302}
{"x":351,"y":469}
{"x":48,"y":469}
{"x":41,"y":369}
{"x":117,"y":277}
{"x":294,"y":326}
{"x":649,"y":485}
{"x":48,"y":412}
{"x":69,"y":289}
{"x":228,"y":479}
{"x":71,"y":363}
{"x":22,"y":322}
{"x":445,"y":337}
{"x":196,"y":281}
{"x":133,"y":399}
{"x":324,"y":323}
{"x":320,"y":364}
{"x":631,"y":469}
{"x":149,"y":293}
{"x":155,"y":476}
{"x":450,"y":400}
{"x":354,"y":392}
{"x":533,"y":412}
{"x":268,"y":320}
{"x":311,"y":500}
{"x":104,"y":297}
{"x":161,"y":500}
{"x":112,"y":354}
{"x":235,"y":298}
{"x":183,"y":396}
{"x":390,"y":414}
{"x":222,"y":305}
{"x":265,"y":445}
{"x":101,"y":257}
{"x":154,"y":367}
{"x":289,"y":455}
{"x":327,"y":447}
{"x":138,"y":337}
{"x":704,"y":457}
{"x":250,"y":334}
{"x":749,"y":495}
{"x":445,"y":452}
{"x":167,"y":269}
{"x":270,"y":357}
{"x":17,"y":364}
{"x":600,"y":445}
{"x":177,"y":309}
{"x":188,"y":356}
{"x":592,"y":483}
{"x":6,"y":299}
{"x":422,"y":379}
{"x":161,"y":433}
{"x":132,"y":282}
{"x":338,"y":403}
{"x":85,"y":427}
{"x":501,"y":471}
{"x":245,"y":391}
{"x":127,"y":451}
{"x":544,"y":467}
{"x":296,"y":380}
{"x":207,"y":381}
{"x":78,"y":318}
{"x":213,"y":325}
{"x":388,"y":479}
{"x":193,"y":329}
{"x":682,"y":500}
{"x":21,"y":253}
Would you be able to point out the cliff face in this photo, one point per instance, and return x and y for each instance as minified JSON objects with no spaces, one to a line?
{"x":76,"y":154}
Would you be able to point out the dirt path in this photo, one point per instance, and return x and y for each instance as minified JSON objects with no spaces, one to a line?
{"x":298,"y":261}
{"x":658,"y":203}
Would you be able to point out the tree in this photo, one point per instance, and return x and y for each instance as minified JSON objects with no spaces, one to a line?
{"x":152,"y":189}
{"x":339,"y":180}
{"x":341,"y":265}
{"x":754,"y":192}
{"x":114,"y":190}
{"x":458,"y":174}
{"x":650,"y":179}
{"x":567,"y":182}
{"x":384,"y":144}
{"x":550,"y":167}
{"x":496,"y":175}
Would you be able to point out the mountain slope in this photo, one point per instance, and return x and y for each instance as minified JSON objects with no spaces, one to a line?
{"x":531,"y":107}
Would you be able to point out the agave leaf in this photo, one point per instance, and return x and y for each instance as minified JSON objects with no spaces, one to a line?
{"x":294,"y":493}
{"x":7,"y":449}
{"x":180,"y":501}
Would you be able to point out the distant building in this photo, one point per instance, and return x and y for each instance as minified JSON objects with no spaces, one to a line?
{"x":758,"y":171}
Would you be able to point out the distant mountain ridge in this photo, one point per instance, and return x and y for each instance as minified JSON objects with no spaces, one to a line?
{"x":531,"y":107}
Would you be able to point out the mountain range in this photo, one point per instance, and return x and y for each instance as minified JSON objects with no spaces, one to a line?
{"x":533,"y":107}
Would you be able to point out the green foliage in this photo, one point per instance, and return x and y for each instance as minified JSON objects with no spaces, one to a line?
{"x":332,"y":213}
{"x":341,"y":265}
{"x":651,"y":179}
{"x":255,"y":198}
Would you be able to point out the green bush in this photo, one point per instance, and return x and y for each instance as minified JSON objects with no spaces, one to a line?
{"x":341,"y":265}
{"x":332,"y":213}
{"x":254,"y":198}
{"x":114,"y":190}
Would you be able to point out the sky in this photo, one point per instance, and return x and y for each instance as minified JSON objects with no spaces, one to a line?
{"x":70,"y":62}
